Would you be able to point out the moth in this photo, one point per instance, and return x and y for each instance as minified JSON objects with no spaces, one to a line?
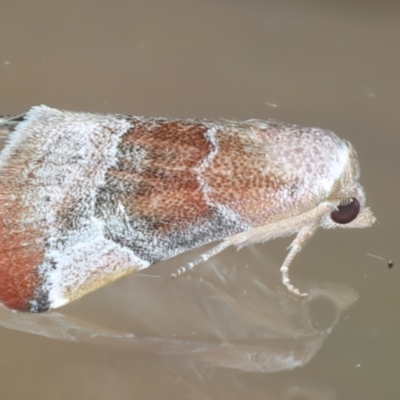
{"x":88,"y":198}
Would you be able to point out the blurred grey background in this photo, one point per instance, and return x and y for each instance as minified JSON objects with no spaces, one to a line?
{"x":334,"y":65}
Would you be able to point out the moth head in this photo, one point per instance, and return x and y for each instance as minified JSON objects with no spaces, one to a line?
{"x":347,"y":198}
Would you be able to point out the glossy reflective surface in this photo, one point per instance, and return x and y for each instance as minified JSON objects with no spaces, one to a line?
{"x":220,"y":331}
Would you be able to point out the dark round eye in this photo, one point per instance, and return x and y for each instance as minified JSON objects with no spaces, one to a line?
{"x":347,"y":212}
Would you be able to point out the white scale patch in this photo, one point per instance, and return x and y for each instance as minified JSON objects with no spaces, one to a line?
{"x":70,"y":154}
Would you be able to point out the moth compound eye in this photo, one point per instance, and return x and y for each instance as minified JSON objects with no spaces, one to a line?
{"x":346,"y":213}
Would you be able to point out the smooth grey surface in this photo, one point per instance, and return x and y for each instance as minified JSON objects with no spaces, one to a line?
{"x":330,"y":64}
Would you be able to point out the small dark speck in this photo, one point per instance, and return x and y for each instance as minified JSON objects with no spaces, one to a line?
{"x":389,"y":263}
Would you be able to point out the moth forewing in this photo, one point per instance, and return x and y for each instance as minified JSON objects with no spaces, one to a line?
{"x":88,"y":198}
